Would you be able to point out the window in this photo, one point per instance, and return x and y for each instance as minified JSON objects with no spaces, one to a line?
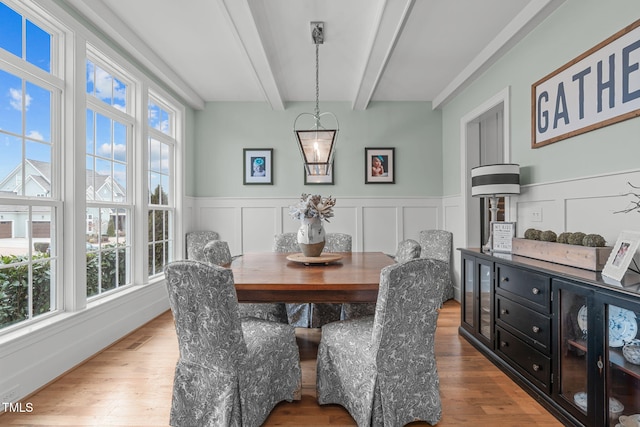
{"x":109,"y":129}
{"x":29,"y":180}
{"x":127,"y":154}
{"x":161,"y":147}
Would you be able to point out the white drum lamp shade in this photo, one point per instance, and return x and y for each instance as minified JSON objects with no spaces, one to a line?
{"x":495,"y":180}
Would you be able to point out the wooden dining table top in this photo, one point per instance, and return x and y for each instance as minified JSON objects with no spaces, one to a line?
{"x":271,"y":277}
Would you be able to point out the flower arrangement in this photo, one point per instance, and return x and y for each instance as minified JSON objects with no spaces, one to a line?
{"x":313,"y":206}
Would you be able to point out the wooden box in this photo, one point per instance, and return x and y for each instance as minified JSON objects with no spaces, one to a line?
{"x":589,"y":258}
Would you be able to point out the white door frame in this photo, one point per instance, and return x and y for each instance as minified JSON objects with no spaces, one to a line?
{"x":501,"y":97}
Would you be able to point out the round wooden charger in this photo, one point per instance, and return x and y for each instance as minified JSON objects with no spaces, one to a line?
{"x":324,"y":258}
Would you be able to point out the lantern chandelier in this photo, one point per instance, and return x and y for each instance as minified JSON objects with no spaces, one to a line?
{"x":317,"y":144}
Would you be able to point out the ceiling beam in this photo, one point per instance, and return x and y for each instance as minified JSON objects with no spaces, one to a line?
{"x":242,"y":22}
{"x":108,"y":22}
{"x":529,"y":18}
{"x":392,"y":19}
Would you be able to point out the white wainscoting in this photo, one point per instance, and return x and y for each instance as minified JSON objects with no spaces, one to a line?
{"x":587,"y":204}
{"x":376,"y":224}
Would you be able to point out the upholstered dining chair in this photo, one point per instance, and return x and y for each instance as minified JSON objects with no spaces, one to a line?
{"x":382,"y":369}
{"x":322,"y":313}
{"x":437,"y":244}
{"x":298,"y":314}
{"x":217,"y":252}
{"x":407,"y":249}
{"x":196,"y":241}
{"x":230,"y":371}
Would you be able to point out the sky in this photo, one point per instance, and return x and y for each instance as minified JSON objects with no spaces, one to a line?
{"x":25,"y":111}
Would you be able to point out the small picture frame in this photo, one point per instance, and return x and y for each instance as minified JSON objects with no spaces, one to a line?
{"x":621,"y":255}
{"x":257,"y":166}
{"x":379,"y":165}
{"x":502,"y":234}
{"x":320,"y":179}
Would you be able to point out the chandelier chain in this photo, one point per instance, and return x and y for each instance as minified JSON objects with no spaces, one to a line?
{"x":317,"y":84}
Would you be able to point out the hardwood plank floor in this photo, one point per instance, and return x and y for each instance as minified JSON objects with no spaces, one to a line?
{"x":129,"y":384}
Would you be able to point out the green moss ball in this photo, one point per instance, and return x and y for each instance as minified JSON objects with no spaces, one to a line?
{"x":548,"y":236}
{"x":532,"y":234}
{"x":594,"y":240}
{"x":576,"y":238}
{"x":564,"y":237}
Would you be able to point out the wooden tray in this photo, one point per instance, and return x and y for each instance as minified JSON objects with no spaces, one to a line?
{"x":588,"y":258}
{"x":324,"y":258}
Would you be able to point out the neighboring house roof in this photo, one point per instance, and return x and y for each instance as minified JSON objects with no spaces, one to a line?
{"x":40,"y":173}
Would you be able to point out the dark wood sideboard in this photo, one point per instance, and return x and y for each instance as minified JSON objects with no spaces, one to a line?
{"x":557,"y":331}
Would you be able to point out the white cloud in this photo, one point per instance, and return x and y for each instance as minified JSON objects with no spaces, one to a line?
{"x":36,"y":135}
{"x":16,"y":99}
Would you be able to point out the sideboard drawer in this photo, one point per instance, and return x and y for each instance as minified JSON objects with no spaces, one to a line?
{"x":528,"y":361}
{"x":535,"y":327}
{"x":531,"y":288}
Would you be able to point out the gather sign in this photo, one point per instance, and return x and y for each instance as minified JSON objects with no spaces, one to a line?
{"x":598,"y":88}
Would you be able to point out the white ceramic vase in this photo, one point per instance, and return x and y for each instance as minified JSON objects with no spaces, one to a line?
{"x":311,"y":237}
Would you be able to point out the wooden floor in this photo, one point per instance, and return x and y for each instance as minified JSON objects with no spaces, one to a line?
{"x":129,"y":384}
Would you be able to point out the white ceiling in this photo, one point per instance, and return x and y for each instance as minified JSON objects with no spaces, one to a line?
{"x":261,"y":50}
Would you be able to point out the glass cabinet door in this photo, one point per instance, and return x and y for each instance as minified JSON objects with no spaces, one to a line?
{"x":485,"y":315}
{"x":622,"y":347}
{"x":572,"y":354}
{"x":468,"y":289}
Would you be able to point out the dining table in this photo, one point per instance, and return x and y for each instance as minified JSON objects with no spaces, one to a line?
{"x":292,"y":278}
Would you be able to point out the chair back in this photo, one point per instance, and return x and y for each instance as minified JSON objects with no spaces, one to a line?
{"x":217,"y":252}
{"x":406,"y":313}
{"x":407,"y":249}
{"x":337,"y":242}
{"x":203,"y":301}
{"x":436,"y":244}
{"x":196,"y":241}
{"x":286,"y":242}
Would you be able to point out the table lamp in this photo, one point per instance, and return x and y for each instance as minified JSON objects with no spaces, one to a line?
{"x":493,"y":181}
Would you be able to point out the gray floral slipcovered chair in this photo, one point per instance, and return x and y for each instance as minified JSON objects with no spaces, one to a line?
{"x":407,"y":249}
{"x":298,"y":314}
{"x":382,"y":369}
{"x":322,"y":313}
{"x":231,"y":371}
{"x":437,"y":244}
{"x":217,"y":252}
{"x":196,"y":241}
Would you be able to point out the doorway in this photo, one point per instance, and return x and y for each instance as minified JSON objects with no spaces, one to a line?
{"x":484,"y":141}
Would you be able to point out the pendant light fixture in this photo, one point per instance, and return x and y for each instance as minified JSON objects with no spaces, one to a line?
{"x":316,"y":142}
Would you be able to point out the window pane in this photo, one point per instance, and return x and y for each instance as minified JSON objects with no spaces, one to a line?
{"x":154,"y":116}
{"x":11,"y":164}
{"x":91,"y":75}
{"x":10,"y":30}
{"x":164,"y":194}
{"x":38,"y":113}
{"x":165,"y":123}
{"x":14,"y":242}
{"x":164,"y":159}
{"x":38,"y":170}
{"x":120,"y":183}
{"x":119,"y":142}
{"x":38,"y":47}
{"x":103,"y":85}
{"x":119,"y":95}
{"x":103,"y":136}
{"x":90,"y":128}
{"x":10,"y":102}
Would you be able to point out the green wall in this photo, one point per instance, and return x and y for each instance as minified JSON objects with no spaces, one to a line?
{"x":575,"y":27}
{"x":223,"y":129}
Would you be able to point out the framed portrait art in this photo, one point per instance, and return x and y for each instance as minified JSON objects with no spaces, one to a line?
{"x":379,"y":166}
{"x":622,"y":255}
{"x":258,"y":165}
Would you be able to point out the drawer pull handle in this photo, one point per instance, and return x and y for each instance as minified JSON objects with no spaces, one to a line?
{"x":504,"y":344}
{"x":504,"y":311}
{"x":535,"y":291}
{"x":535,"y":329}
{"x":504,"y":279}
{"x":536,"y":367}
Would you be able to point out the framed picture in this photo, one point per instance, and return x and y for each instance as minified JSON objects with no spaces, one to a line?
{"x":621,"y":255}
{"x":258,"y":165}
{"x":379,"y":167}
{"x":319,"y":179}
{"x":502,"y":234}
